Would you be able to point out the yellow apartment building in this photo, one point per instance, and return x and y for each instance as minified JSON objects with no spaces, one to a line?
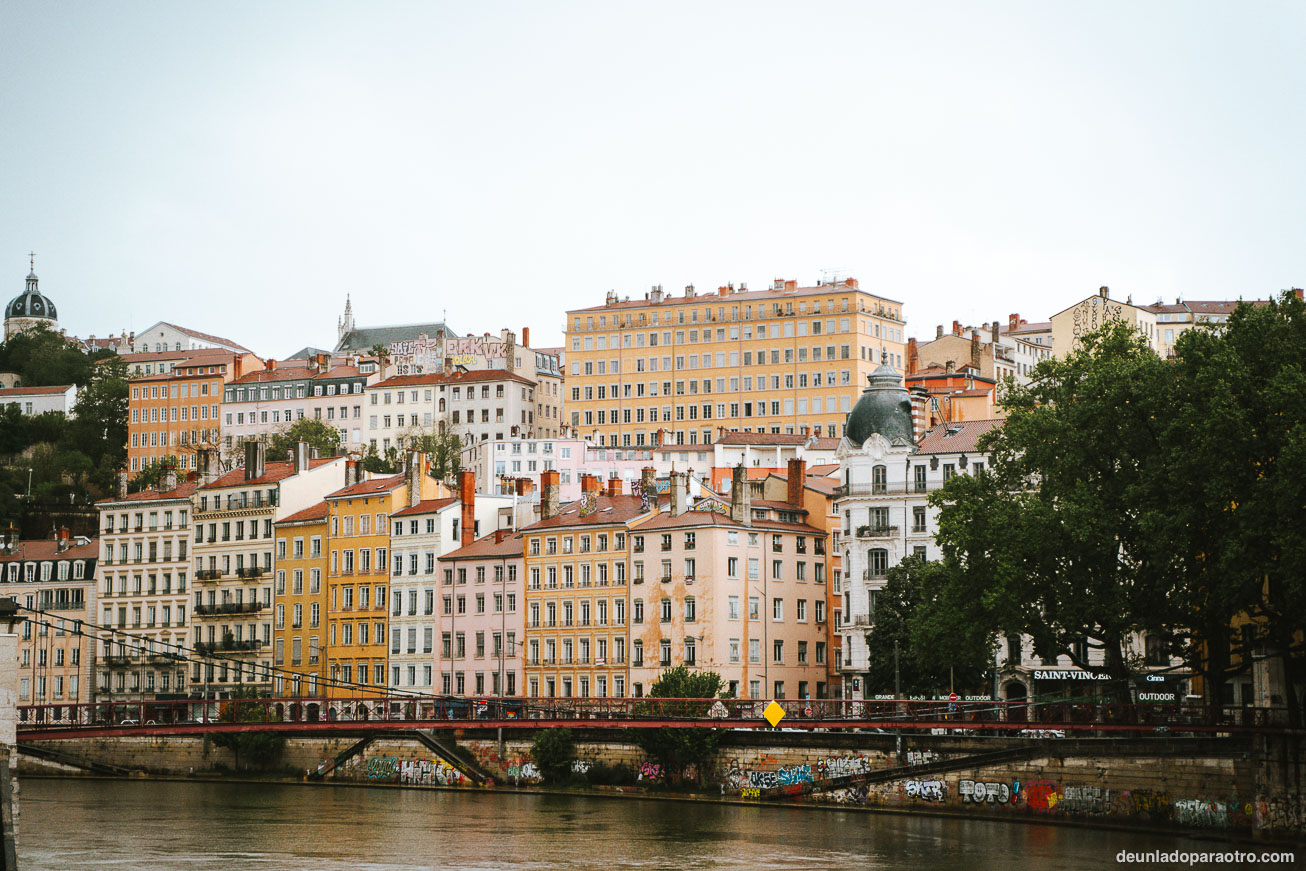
{"x":577,"y":592}
{"x":787,"y":359}
{"x":358,"y":574}
{"x":300,"y":604}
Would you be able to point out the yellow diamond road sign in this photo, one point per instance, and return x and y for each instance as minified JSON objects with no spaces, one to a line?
{"x":774,"y":714}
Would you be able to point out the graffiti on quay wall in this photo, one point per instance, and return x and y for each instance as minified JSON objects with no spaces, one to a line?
{"x":842,"y":766}
{"x":736,"y":777}
{"x":524,"y":772}
{"x":990,"y":792}
{"x":382,"y":767}
{"x":430,"y":772}
{"x":1287,"y":812}
{"x":748,"y":792}
{"x":922,"y":757}
{"x":650,"y":772}
{"x":926,"y":790}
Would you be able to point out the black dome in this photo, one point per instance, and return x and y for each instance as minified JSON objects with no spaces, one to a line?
{"x":31,"y":304}
{"x":884,"y":407}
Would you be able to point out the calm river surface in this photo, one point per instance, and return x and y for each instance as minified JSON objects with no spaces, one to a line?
{"x":161,"y":826}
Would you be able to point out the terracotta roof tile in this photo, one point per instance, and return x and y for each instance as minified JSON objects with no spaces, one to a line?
{"x":183,"y":490}
{"x":314,"y":513}
{"x":48,"y":549}
{"x":486,"y":547}
{"x":611,"y":509}
{"x":426,"y":506}
{"x":956,"y":438}
{"x":273,"y":471}
{"x":370,"y":487}
{"x":476,"y":376}
{"x":35,"y":391}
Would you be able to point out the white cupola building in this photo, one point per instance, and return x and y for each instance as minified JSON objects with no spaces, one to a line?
{"x":888,"y":466}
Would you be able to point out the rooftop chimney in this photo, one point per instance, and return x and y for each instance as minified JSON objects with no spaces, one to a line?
{"x":122,"y":483}
{"x":206,"y":465}
{"x":351,"y":472}
{"x":1013,"y":320}
{"x":913,"y":357}
{"x":63,"y":540}
{"x":415,"y":472}
{"x":679,"y":498}
{"x":995,"y":331}
{"x":255,"y":459}
{"x":614,"y":486}
{"x":740,"y":497}
{"x":797,"y":479}
{"x":168,"y":480}
{"x":548,"y":494}
{"x":1104,"y":291}
{"x":524,"y":486}
{"x":301,"y":455}
{"x":938,"y":331}
{"x":525,"y":337}
{"x":467,"y":499}
{"x":590,"y":487}
{"x":956,"y":328}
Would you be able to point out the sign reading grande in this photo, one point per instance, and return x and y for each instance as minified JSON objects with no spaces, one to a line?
{"x":1070,"y":674}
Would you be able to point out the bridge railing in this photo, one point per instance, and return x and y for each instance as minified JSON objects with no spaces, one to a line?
{"x":1032,"y":718}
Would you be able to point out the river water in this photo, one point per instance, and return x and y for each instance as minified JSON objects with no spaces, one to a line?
{"x":161,"y":826}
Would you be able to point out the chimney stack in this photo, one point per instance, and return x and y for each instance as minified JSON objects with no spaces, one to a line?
{"x":467,"y":501}
{"x":797,"y":480}
{"x":524,"y":486}
{"x":301,"y":455}
{"x":64,"y":542}
{"x":1013,"y":320}
{"x":122,"y":483}
{"x":590,"y":487}
{"x":740,"y":497}
{"x":168,"y":479}
{"x":956,"y":328}
{"x":255,"y":459}
{"x":351,"y":472}
{"x":938,"y":331}
{"x":913,"y":357}
{"x":548,"y":494}
{"x":679,"y":498}
{"x":614,"y":486}
{"x":1104,"y":291}
{"x":525,"y":337}
{"x":414,"y":473}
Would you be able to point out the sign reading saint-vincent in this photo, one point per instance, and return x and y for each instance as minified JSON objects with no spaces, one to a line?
{"x":1070,"y":674}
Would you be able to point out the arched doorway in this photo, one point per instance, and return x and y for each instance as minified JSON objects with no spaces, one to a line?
{"x":1014,"y":692}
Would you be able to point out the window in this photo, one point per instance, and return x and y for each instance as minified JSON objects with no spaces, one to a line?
{"x":778,"y":610}
{"x":878,"y":562}
{"x":666,"y":610}
{"x":879,"y":479}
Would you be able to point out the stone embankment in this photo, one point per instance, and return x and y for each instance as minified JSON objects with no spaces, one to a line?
{"x":1249,"y":785}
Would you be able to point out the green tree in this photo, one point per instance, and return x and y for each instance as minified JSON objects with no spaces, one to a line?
{"x":381,"y":464}
{"x":258,"y":749}
{"x":43,"y":358}
{"x":98,"y":428}
{"x":1049,"y":541}
{"x":152,"y":474}
{"x":1226,"y":509}
{"x":554,"y":750}
{"x":322,"y":436}
{"x":937,"y":633}
{"x":445,"y":448}
{"x":677,"y":749}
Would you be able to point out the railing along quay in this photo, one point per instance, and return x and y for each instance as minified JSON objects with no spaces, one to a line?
{"x":1033,"y":719}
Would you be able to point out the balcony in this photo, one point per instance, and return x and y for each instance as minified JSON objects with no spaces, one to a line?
{"x":228,"y":645}
{"x":228,"y":608}
{"x":869,"y":575}
{"x":63,"y":605}
{"x":254,"y":572}
{"x":877,"y":531}
{"x":166,"y":658}
{"x":208,"y":575}
{"x":117,"y":661}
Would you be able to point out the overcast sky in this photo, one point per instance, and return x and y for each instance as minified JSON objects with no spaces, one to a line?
{"x":240,"y":167}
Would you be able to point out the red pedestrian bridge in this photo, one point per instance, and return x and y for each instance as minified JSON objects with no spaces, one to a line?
{"x":381,"y":713}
